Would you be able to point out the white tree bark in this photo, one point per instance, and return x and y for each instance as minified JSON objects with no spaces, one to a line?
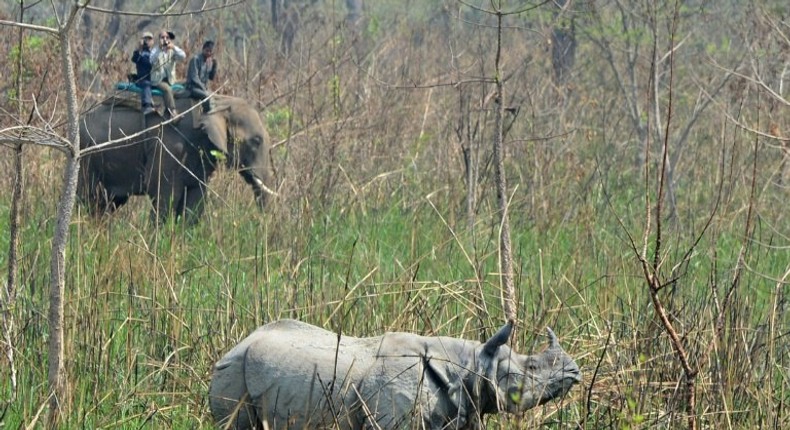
{"x":56,"y":369}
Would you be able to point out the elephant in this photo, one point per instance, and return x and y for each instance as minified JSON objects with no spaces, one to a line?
{"x":172,"y":163}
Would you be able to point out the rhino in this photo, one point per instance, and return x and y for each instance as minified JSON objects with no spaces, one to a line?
{"x":292,"y":375}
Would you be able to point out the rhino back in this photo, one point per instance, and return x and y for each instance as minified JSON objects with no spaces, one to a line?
{"x":302,"y":376}
{"x":292,"y":370}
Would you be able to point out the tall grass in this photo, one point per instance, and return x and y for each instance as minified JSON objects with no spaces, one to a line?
{"x":150,"y":309}
{"x":369,"y":234}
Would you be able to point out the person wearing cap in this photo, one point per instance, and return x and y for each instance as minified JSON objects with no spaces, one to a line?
{"x":202,"y":68}
{"x":163,"y":74}
{"x":142,"y":58}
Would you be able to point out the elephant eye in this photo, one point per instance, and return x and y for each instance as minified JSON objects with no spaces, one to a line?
{"x":256,"y":140}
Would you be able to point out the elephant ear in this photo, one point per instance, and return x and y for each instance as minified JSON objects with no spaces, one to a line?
{"x":216,"y":128}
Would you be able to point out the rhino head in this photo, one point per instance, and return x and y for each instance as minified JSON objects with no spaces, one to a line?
{"x":516,"y":382}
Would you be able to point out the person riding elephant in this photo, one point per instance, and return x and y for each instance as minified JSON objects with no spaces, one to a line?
{"x":163,"y":73}
{"x":172,"y":163}
{"x":202,"y":68}
{"x":142,"y":59}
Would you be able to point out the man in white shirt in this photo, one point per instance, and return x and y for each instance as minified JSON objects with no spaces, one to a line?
{"x":163,"y":73}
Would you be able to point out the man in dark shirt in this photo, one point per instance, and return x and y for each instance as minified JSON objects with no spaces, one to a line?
{"x":202,"y":68}
{"x":142,"y":59}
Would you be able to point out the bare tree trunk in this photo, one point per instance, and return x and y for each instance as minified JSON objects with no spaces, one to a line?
{"x":471,"y":184}
{"x":8,"y":294}
{"x":505,"y":255}
{"x":471,"y":154}
{"x":56,"y":370}
{"x":275,"y":10}
{"x":563,"y":42}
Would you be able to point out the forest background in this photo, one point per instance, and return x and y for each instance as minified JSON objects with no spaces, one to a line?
{"x":647,"y":162}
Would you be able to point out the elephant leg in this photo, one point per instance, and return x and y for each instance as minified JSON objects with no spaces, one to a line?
{"x":164,"y":184}
{"x":164,"y":200}
{"x":165,"y":190}
{"x":193,"y":206}
{"x":90,"y":191}
{"x":87,"y":194}
{"x":117,"y":202}
{"x":98,"y":200}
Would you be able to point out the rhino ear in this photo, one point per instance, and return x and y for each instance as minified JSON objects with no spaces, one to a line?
{"x":553,"y":341}
{"x":500,"y":338}
{"x":216,"y":128}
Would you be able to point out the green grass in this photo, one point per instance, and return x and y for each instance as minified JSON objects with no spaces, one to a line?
{"x":149,"y":310}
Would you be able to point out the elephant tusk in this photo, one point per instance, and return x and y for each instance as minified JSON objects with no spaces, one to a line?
{"x":263,"y":186}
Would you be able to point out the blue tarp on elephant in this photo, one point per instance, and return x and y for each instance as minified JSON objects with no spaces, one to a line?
{"x":128,"y":86}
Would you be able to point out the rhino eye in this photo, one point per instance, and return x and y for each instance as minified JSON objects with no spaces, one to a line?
{"x":531,"y":366}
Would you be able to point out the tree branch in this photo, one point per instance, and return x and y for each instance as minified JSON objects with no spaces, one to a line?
{"x":33,"y":27}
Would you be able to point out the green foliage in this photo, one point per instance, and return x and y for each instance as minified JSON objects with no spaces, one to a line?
{"x":278,"y":120}
{"x":89,"y":65}
{"x":31,"y":45}
{"x":335,"y":91}
{"x":11,"y":94}
{"x":630,"y":418}
{"x":218,"y":155}
{"x":32,"y":55}
{"x":373,"y":28}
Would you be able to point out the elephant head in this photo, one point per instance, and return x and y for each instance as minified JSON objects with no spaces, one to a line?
{"x":236,"y":130}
